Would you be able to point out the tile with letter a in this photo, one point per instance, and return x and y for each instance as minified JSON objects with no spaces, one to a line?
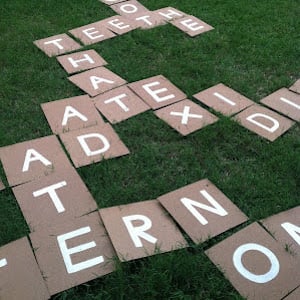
{"x":256,"y":265}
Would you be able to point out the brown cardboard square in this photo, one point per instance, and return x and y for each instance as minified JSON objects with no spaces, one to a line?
{"x":223,"y":99}
{"x":119,"y":24}
{"x":256,"y":264}
{"x":285,"y":227}
{"x":264,"y":122}
{"x":191,"y":25}
{"x":71,"y":253}
{"x":90,"y":145}
{"x":20,"y":274}
{"x":202,"y":210}
{"x":186,"y":116}
{"x":170,"y":13}
{"x":120,"y":104}
{"x":2,"y":186}
{"x":111,"y":2}
{"x":285,"y":102}
{"x":296,"y":87}
{"x":71,"y":114}
{"x":157,"y":91}
{"x":33,"y":159}
{"x":295,"y":295}
{"x":141,"y":229}
{"x":53,"y":199}
{"x":81,"y":61}
{"x":57,"y":44}
{"x":92,"y":33}
{"x":97,"y":81}
{"x":149,"y":20}
{"x":129,"y":9}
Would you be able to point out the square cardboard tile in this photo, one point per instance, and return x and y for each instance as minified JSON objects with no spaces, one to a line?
{"x":81,"y":61}
{"x":255,"y":264}
{"x":20,"y":274}
{"x":295,"y":295}
{"x":285,"y":102}
{"x":264,"y":122}
{"x":149,"y":20}
{"x":141,"y":229}
{"x":33,"y":159}
{"x":74,"y":252}
{"x":223,"y":99}
{"x":53,"y":199}
{"x":57,"y":44}
{"x":285,"y":227}
{"x":202,"y":210}
{"x":170,"y":13}
{"x":191,"y":25}
{"x":129,"y":9}
{"x":120,"y":104}
{"x":111,"y":2}
{"x":157,"y":91}
{"x":186,"y":116}
{"x":92,"y":33}
{"x":2,"y":186}
{"x":90,"y":145}
{"x":97,"y":81}
{"x":71,"y":114}
{"x":119,"y":24}
{"x":296,"y":87}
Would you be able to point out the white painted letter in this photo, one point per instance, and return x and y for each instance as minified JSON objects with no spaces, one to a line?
{"x":55,"y":42}
{"x":154,"y":93}
{"x":3,"y":262}
{"x":132,"y":8}
{"x":91,"y":34}
{"x":81,"y":139}
{"x":119,"y":25}
{"x":75,"y":62}
{"x":216,"y":209}
{"x":270,"y":129}
{"x":138,"y":232}
{"x":97,"y":80}
{"x":170,"y":14}
{"x":287,"y":101}
{"x":67,"y":252}
{"x":32,"y":155}
{"x":185,"y":115}
{"x":52,"y":193}
{"x":145,"y":19}
{"x":264,"y":278}
{"x":71,"y":112}
{"x":117,"y":99}
{"x":190,"y":24}
{"x":293,"y":231}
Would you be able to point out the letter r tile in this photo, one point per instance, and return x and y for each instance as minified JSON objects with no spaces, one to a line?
{"x":255,"y":264}
{"x":141,"y":229}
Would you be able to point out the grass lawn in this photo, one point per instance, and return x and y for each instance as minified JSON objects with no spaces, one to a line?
{"x":254,"y":49}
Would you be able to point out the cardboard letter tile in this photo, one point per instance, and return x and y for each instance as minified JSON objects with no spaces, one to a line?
{"x":296,"y":87}
{"x":191,"y":25}
{"x":57,"y":44}
{"x":92,"y":33}
{"x":149,"y":20}
{"x":120,"y":104}
{"x":157,"y":91}
{"x":119,"y":24}
{"x":74,"y":252}
{"x":285,"y":227}
{"x":256,"y":264}
{"x":33,"y":159}
{"x":223,"y":99}
{"x":81,"y":61}
{"x":129,"y":9}
{"x":170,"y":13}
{"x":202,"y":210}
{"x":295,"y":295}
{"x":93,"y":144}
{"x":141,"y":229}
{"x":20,"y":274}
{"x":264,"y":122}
{"x":97,"y":81}
{"x":71,"y":114}
{"x":186,"y":116}
{"x":285,"y":102}
{"x":53,"y":199}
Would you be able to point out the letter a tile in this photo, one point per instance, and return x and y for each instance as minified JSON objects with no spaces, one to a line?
{"x":202,"y":210}
{"x":20,"y":275}
{"x":141,"y":229}
{"x":256,"y":265}
{"x":90,"y":145}
{"x":74,"y":252}
{"x":264,"y":122}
